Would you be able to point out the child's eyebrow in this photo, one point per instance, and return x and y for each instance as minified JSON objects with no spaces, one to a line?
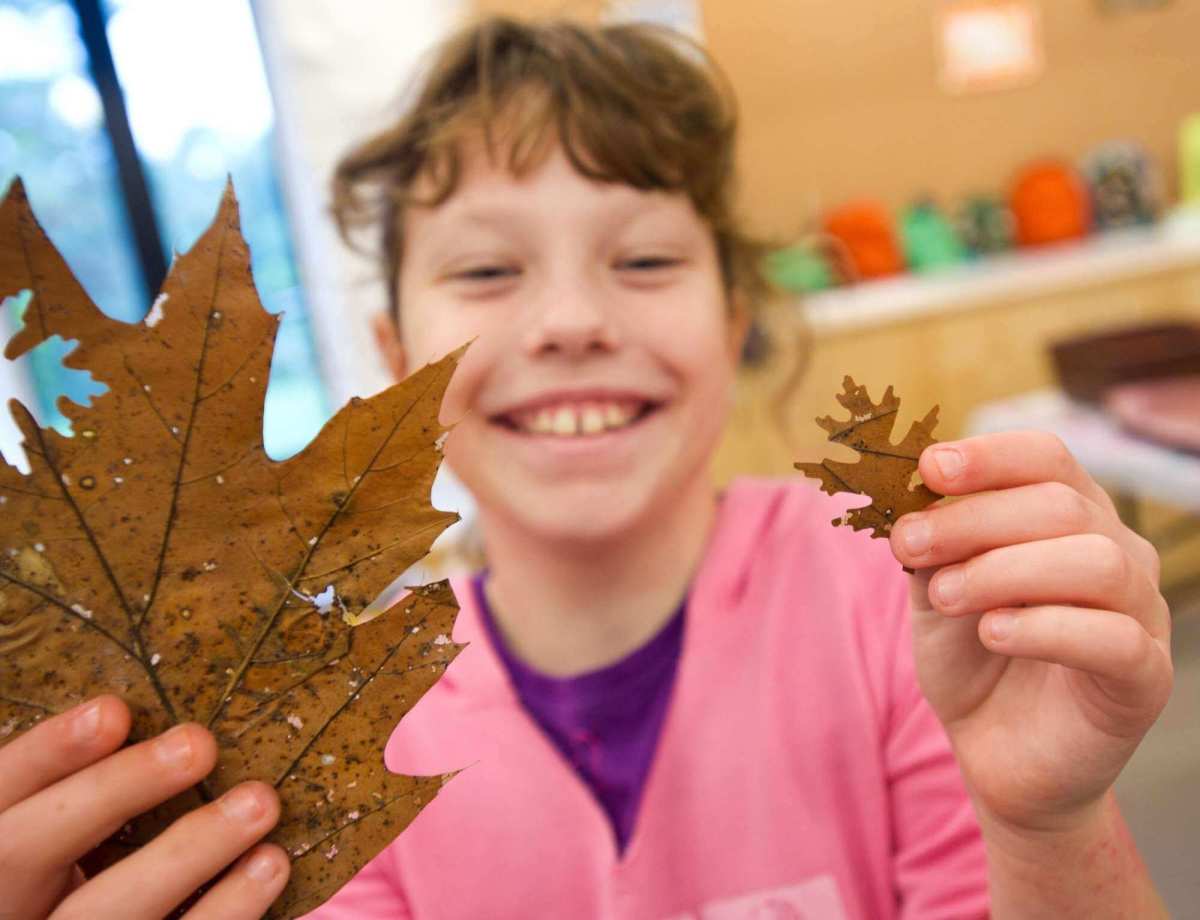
{"x":614,"y":207}
{"x":446,"y":232}
{"x":507,"y":221}
{"x":485,"y":215}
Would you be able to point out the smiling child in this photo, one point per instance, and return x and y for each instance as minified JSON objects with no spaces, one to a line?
{"x":676,"y":702}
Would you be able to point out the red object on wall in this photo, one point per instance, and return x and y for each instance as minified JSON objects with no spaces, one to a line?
{"x":865,"y":228}
{"x":1050,"y":203}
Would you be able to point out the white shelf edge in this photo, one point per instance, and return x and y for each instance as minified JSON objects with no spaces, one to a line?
{"x":1027,"y":272}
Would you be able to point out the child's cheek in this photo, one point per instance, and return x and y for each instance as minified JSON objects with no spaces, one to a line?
{"x":464,"y":384}
{"x":454,"y":402}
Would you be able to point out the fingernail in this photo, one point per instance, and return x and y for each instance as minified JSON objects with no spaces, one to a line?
{"x":242,"y":805}
{"x":1000,"y":625}
{"x":949,"y":461}
{"x":949,"y":586}
{"x":917,"y":535}
{"x":174,"y":749}
{"x":262,"y":867}
{"x":86,"y":722}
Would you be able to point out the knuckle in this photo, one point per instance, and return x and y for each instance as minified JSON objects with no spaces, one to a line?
{"x":1157,"y":619}
{"x":1053,"y":445}
{"x":1061,"y":459}
{"x":1132,"y":645}
{"x":978,"y":576}
{"x":1167,"y":686}
{"x":1150,"y":553}
{"x":1110,"y":561}
{"x":977,"y":566}
{"x":1105,"y":501}
{"x":1054,"y":625}
{"x":1070,"y":510}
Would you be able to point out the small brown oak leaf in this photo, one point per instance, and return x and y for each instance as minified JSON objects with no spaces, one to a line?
{"x":883,"y":470}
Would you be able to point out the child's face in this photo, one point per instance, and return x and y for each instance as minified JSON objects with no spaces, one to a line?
{"x":598,"y":310}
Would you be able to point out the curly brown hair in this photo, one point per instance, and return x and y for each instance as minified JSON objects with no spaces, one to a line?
{"x":632,"y":103}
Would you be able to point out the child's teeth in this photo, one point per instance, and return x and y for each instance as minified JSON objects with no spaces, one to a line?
{"x":564,"y":421}
{"x":592,"y":419}
{"x":615,"y":416}
{"x":585,"y":419}
{"x":543,"y":422}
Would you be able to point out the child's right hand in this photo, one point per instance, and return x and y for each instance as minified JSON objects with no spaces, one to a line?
{"x":65,"y":787}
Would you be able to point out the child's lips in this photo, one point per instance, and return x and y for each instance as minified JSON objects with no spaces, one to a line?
{"x":603,"y":447}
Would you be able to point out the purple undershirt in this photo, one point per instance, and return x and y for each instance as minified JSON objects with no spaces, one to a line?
{"x":605,"y":722}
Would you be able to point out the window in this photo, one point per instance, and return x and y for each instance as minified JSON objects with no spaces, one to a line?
{"x":124,"y":118}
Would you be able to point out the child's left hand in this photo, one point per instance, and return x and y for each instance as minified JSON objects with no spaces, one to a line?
{"x":1041,"y":639}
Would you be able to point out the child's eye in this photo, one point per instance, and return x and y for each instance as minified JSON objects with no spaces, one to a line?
{"x":485,"y":273}
{"x":648,"y":263}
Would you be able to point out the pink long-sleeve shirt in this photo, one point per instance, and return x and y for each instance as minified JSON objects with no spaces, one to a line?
{"x":799,"y":773}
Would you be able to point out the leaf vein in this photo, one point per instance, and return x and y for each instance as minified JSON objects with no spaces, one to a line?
{"x":239,"y":673}
{"x":350,"y":698}
{"x":62,"y":605}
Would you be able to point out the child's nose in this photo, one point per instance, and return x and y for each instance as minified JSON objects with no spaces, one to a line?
{"x":569,"y":320}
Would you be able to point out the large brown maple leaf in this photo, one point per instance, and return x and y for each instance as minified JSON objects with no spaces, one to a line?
{"x":883,"y":470}
{"x":160,"y":554}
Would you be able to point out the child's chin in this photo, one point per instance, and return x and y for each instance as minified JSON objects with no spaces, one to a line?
{"x":584,"y":514}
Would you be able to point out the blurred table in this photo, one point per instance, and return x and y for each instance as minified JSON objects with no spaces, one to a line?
{"x":1129,"y":467}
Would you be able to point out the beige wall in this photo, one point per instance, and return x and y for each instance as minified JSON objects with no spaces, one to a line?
{"x":840,"y":98}
{"x":582,"y":9}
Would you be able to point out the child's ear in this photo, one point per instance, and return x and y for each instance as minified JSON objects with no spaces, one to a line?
{"x":387,"y":339}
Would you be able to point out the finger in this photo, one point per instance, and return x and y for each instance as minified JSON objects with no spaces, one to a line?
{"x":249,"y":888}
{"x":1004,"y":460}
{"x":60,"y":824}
{"x":156,"y":878}
{"x":59,"y":746}
{"x":1134,"y":667}
{"x":955,"y":671}
{"x":1089,"y":570}
{"x":988,"y":520}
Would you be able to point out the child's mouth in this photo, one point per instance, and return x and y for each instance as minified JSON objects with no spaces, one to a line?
{"x":576,"y":420}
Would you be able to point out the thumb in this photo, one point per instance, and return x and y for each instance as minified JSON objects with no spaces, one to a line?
{"x":956,"y":672}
